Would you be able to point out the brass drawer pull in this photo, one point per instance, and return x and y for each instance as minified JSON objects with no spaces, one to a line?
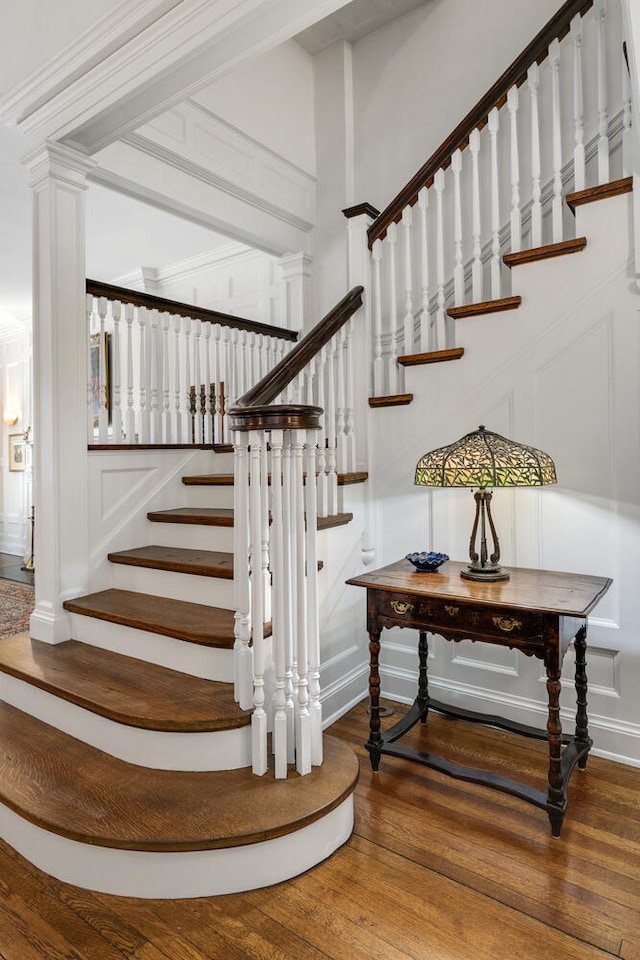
{"x":506,"y":624}
{"x":452,"y":611}
{"x":401,"y":606}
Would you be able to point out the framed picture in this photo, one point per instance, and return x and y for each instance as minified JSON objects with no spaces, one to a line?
{"x":101,"y":392}
{"x":17,"y":453}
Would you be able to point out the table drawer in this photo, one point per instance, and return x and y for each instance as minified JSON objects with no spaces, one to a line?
{"x":456,"y":617}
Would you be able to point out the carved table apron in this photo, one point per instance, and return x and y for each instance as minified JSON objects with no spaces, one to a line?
{"x":538,"y":612}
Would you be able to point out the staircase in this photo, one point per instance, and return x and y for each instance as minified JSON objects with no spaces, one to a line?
{"x":141,"y":702}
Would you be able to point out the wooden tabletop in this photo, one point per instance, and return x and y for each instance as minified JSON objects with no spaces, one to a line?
{"x":543,"y":591}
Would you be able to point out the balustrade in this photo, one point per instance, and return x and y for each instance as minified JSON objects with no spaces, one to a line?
{"x":557,"y":121}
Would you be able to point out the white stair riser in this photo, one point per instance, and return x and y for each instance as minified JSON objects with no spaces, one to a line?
{"x":162,"y":750}
{"x":208,"y":496}
{"x":199,"y":873}
{"x":178,"y":586}
{"x":191,"y":658}
{"x":191,"y":536}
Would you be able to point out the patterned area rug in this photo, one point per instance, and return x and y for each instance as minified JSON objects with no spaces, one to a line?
{"x":16,"y":605}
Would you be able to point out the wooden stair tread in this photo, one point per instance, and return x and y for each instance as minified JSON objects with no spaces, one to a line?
{"x":206,"y":516}
{"x":227,"y":479}
{"x":338,"y":520}
{"x":613,"y":189}
{"x":116,"y":804}
{"x":193,"y":622}
{"x":486,"y":306}
{"x":435,"y":356}
{"x":204,"y":563}
{"x":393,"y":400}
{"x":121,"y":688}
{"x":546,"y":252}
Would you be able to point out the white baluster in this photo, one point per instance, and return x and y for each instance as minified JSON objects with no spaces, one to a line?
{"x":103,"y":410}
{"x":496,"y":262}
{"x":243,"y":656}
{"x":557,"y":204}
{"x":440,"y":327}
{"x":458,"y":269}
{"x":378,"y":361}
{"x":166,"y":379}
{"x":259,"y":716}
{"x":516,"y":219}
{"x":264,"y":542}
{"x":155,"y":377}
{"x":349,"y":420}
{"x":178,"y":389}
{"x":291,"y":611}
{"x":116,"y":415}
{"x":90,"y":387}
{"x":533,"y":82}
{"x":130,"y":417}
{"x":313,"y":626}
{"x":323,"y":510}
{"x":476,"y":268}
{"x":303,"y":717}
{"x":190,"y":432}
{"x":144,"y":352}
{"x":627,"y":138}
{"x":209,"y":403}
{"x":341,"y":410}
{"x":578,"y":105}
{"x":603,"y":119}
{"x":425,"y":319}
{"x":197,"y":378}
{"x":330,"y":427}
{"x":408,"y":283}
{"x":278,"y":625}
{"x":393,"y":369}
{"x":217,"y":379}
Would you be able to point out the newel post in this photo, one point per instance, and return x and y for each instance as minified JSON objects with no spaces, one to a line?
{"x":61,"y":481}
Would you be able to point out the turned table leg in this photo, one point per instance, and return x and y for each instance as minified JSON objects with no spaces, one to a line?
{"x":582,"y":737}
{"x":557,"y":793}
{"x":423,"y":677}
{"x":374,"y":743}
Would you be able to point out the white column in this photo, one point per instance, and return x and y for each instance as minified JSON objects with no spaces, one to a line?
{"x":58,"y":179}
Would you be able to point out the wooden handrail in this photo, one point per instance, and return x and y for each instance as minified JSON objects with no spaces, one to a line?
{"x":98,"y":289}
{"x":255,"y":401}
{"x":557,"y":27}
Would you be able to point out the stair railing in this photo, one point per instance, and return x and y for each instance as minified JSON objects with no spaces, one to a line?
{"x":557,"y":120}
{"x":291,"y":434}
{"x":165,"y":373}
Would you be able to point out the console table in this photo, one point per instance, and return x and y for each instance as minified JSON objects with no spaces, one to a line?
{"x":537,"y":612}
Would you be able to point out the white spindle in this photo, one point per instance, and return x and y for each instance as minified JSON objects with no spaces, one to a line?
{"x":303,"y":717}
{"x":378,"y":362}
{"x":209,"y":402}
{"x":116,"y":413}
{"x":603,"y":118}
{"x":408,"y":283}
{"x":291,"y":610}
{"x":144,"y":352}
{"x":392,"y":364}
{"x":516,"y":217}
{"x":166,"y":379}
{"x":156,"y":377}
{"x":130,"y":421}
{"x":323,"y":509}
{"x":313,"y":626}
{"x":259,"y":716}
{"x":578,"y":105}
{"x":197,"y":379}
{"x":243,"y":656}
{"x":341,"y":411}
{"x":458,"y":268}
{"x":178,"y":389}
{"x":330,"y":427}
{"x":440,"y":327}
{"x":476,"y":267}
{"x":557,"y":203}
{"x":533,"y":82}
{"x":264,"y":542}
{"x":627,"y":139}
{"x":190,"y":437}
{"x":90,"y":387}
{"x":496,"y":263}
{"x":349,"y":420}
{"x":103,"y":409}
{"x":425,"y":318}
{"x":278,"y":626}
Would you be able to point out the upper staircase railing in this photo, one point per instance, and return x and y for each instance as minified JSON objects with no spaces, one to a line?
{"x":557,"y":120}
{"x":164,"y":373}
{"x":287,"y":455}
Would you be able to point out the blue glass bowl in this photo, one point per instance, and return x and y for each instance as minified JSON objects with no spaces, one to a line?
{"x":426,"y":562}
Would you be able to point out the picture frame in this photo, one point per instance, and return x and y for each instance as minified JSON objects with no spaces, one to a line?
{"x":17,"y":453}
{"x":97,"y":393}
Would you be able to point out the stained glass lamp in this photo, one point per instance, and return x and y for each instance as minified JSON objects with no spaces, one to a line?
{"x":484,"y":459}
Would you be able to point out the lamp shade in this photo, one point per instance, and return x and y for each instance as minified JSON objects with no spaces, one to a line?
{"x":485,"y":459}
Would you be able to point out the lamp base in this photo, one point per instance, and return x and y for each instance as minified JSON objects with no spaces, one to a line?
{"x":487,"y":575}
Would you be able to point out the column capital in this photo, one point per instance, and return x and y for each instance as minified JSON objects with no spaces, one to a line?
{"x":58,"y":161}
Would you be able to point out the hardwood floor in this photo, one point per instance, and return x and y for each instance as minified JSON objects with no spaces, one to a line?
{"x":436,"y":869}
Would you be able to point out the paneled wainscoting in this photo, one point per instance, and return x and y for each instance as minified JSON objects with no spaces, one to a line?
{"x":435,"y":870}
